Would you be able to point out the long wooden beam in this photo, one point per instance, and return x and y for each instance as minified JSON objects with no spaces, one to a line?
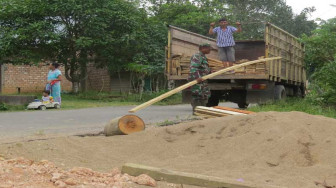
{"x":189,"y":84}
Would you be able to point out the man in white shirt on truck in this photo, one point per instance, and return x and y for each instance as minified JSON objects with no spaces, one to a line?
{"x":225,"y":40}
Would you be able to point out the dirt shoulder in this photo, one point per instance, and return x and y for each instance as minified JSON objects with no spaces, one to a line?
{"x":272,"y":149}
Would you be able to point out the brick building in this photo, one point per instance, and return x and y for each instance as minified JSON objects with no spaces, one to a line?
{"x":100,"y":80}
{"x":30,"y":78}
{"x":26,"y":79}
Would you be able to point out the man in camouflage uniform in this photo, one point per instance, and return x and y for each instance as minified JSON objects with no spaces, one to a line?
{"x":199,"y":67}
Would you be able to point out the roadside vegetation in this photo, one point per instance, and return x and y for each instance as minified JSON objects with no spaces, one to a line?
{"x":102,"y":99}
{"x":296,"y":104}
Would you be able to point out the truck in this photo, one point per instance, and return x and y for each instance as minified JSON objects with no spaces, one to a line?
{"x":260,"y":83}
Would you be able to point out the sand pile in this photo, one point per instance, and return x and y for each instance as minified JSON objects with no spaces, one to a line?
{"x":21,"y":172}
{"x":263,"y":150}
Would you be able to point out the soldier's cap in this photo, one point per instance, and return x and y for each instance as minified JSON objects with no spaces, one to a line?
{"x":204,"y":45}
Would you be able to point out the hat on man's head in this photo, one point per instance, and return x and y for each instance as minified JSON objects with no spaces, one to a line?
{"x":204,"y":45}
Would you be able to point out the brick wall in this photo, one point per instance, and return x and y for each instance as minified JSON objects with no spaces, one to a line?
{"x":27,"y":78}
{"x":98,"y":79}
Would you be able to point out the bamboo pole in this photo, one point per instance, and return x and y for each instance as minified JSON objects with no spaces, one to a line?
{"x":189,"y":84}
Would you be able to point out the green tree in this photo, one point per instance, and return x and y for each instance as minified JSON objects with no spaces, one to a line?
{"x":320,"y":47}
{"x":320,"y":61}
{"x":185,"y":15}
{"x":73,"y":32}
{"x":197,"y":14}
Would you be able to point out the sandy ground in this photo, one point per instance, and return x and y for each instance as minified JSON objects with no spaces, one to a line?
{"x":269,"y":149}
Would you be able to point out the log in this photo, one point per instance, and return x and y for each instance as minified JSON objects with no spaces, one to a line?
{"x":187,"y":85}
{"x":124,"y":125}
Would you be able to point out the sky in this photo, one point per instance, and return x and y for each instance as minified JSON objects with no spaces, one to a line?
{"x":323,"y":8}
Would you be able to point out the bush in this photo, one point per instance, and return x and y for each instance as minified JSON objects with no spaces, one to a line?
{"x":323,"y":87}
{"x":3,"y":107}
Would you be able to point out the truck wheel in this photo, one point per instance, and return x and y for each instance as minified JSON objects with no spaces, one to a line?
{"x":298,"y":92}
{"x":42,"y":107}
{"x":279,"y":92}
{"x":213,"y":101}
{"x":214,"y":98}
{"x":242,"y":105}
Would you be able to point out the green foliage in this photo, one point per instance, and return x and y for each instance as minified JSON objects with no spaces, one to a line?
{"x":320,"y":48}
{"x":323,"y":89}
{"x":296,"y":104}
{"x":75,"y":32}
{"x":320,"y":61}
{"x":186,"y":15}
{"x":3,"y":107}
{"x":121,"y":98}
{"x":196,"y":15}
{"x":6,"y":107}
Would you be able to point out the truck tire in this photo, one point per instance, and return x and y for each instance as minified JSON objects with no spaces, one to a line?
{"x":298,"y":92}
{"x":214,"y":98}
{"x":213,"y":101}
{"x":280,"y":92}
{"x":242,"y":104}
{"x":42,"y":107}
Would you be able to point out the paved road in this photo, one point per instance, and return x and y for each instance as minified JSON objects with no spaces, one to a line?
{"x":29,"y":123}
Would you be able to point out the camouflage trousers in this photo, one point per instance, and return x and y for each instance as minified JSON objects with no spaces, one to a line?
{"x":200,"y":91}
{"x":200,"y":94}
{"x":198,"y":102}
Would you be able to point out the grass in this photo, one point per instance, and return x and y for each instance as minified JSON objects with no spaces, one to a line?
{"x":95,"y":99}
{"x":296,"y":104}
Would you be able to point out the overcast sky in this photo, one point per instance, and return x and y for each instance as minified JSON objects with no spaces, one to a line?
{"x":323,"y":8}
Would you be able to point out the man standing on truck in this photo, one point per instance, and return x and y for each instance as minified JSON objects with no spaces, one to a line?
{"x":225,"y":41}
{"x":199,"y":67}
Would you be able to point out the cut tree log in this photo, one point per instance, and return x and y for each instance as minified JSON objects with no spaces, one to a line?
{"x":124,"y":125}
{"x":185,"y":86}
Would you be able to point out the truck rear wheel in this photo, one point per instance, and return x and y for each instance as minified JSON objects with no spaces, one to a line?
{"x":242,"y":105}
{"x":280,"y":92}
{"x":298,"y":92}
{"x":213,"y":101}
{"x":214,"y":98}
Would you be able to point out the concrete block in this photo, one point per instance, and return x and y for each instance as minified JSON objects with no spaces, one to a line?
{"x":179,"y":177}
{"x":16,"y":100}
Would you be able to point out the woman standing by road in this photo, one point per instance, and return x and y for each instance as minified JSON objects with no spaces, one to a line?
{"x":54,"y":82}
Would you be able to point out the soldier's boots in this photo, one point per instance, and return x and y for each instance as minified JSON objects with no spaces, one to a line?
{"x":198,"y":102}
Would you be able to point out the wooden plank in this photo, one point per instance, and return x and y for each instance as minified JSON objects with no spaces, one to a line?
{"x":219,"y":110}
{"x":217,"y":114}
{"x":169,"y":53}
{"x":204,"y":115}
{"x":180,"y":177}
{"x":234,"y":110}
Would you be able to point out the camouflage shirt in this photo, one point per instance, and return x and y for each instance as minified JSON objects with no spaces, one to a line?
{"x":199,"y":67}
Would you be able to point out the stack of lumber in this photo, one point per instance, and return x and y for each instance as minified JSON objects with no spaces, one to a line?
{"x":210,"y":112}
{"x":181,"y":66}
{"x":259,"y":68}
{"x":215,"y":65}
